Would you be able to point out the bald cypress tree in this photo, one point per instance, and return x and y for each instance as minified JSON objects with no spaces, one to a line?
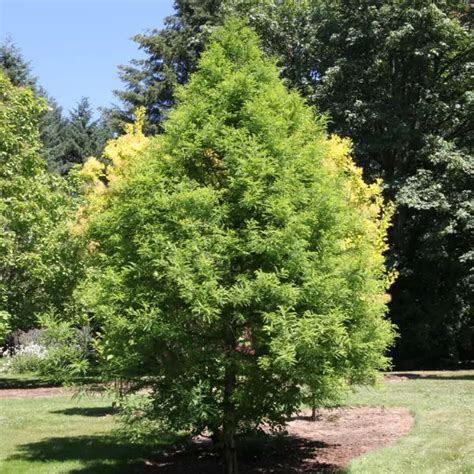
{"x":236,"y":260}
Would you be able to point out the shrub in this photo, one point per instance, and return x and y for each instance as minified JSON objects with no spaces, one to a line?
{"x":58,"y":351}
{"x":67,"y":349}
{"x":25,"y":359}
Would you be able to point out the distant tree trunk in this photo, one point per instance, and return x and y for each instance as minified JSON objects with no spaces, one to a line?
{"x":313,"y":408}
{"x":229,"y":426}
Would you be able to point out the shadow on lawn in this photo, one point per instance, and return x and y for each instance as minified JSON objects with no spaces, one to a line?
{"x":20,"y":383}
{"x":86,"y":411}
{"x":97,"y":453}
{"x":435,"y":376}
{"x":107,"y":454}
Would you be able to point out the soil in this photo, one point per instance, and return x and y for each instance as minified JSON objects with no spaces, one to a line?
{"x":322,"y":446}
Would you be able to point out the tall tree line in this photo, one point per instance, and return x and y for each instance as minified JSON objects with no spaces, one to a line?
{"x":395,"y":77}
{"x":66,"y":140}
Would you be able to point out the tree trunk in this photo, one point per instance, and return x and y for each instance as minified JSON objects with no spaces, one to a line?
{"x":229,"y":426}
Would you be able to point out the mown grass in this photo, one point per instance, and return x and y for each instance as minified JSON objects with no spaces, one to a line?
{"x":442,"y":440}
{"x":61,"y":434}
{"x":54,"y":434}
{"x":65,"y":434}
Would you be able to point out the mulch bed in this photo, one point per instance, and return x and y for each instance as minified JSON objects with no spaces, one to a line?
{"x":325,"y":445}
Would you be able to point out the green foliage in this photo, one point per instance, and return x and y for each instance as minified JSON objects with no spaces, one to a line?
{"x":4,"y":325}
{"x":239,"y":258}
{"x":83,"y":137}
{"x":438,"y":201}
{"x":396,"y":78}
{"x":38,"y":259}
{"x":67,"y":349}
{"x":16,"y":68}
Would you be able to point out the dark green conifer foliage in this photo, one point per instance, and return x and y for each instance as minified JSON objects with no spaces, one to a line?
{"x":16,"y":68}
{"x":84,"y":136}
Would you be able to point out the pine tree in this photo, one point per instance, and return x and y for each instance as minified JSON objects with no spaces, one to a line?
{"x":84,"y":136}
{"x":53,"y":135}
{"x":16,"y":68}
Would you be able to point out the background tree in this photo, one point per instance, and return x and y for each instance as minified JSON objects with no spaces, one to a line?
{"x":172,"y":53}
{"x":396,"y":78}
{"x":84,"y":137}
{"x":38,"y":263}
{"x":16,"y":68}
{"x":240,"y":257}
{"x":66,"y":140}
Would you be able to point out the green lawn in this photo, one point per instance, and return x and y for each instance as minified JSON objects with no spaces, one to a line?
{"x":56,"y":434}
{"x":62,"y":435}
{"x":442,"y":440}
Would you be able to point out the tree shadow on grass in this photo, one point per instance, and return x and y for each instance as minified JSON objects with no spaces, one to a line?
{"x":86,"y":411}
{"x":107,"y":454}
{"x":98,"y":454}
{"x":434,"y":376}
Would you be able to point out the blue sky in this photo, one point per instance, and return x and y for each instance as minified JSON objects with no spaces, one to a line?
{"x":75,"y":45}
